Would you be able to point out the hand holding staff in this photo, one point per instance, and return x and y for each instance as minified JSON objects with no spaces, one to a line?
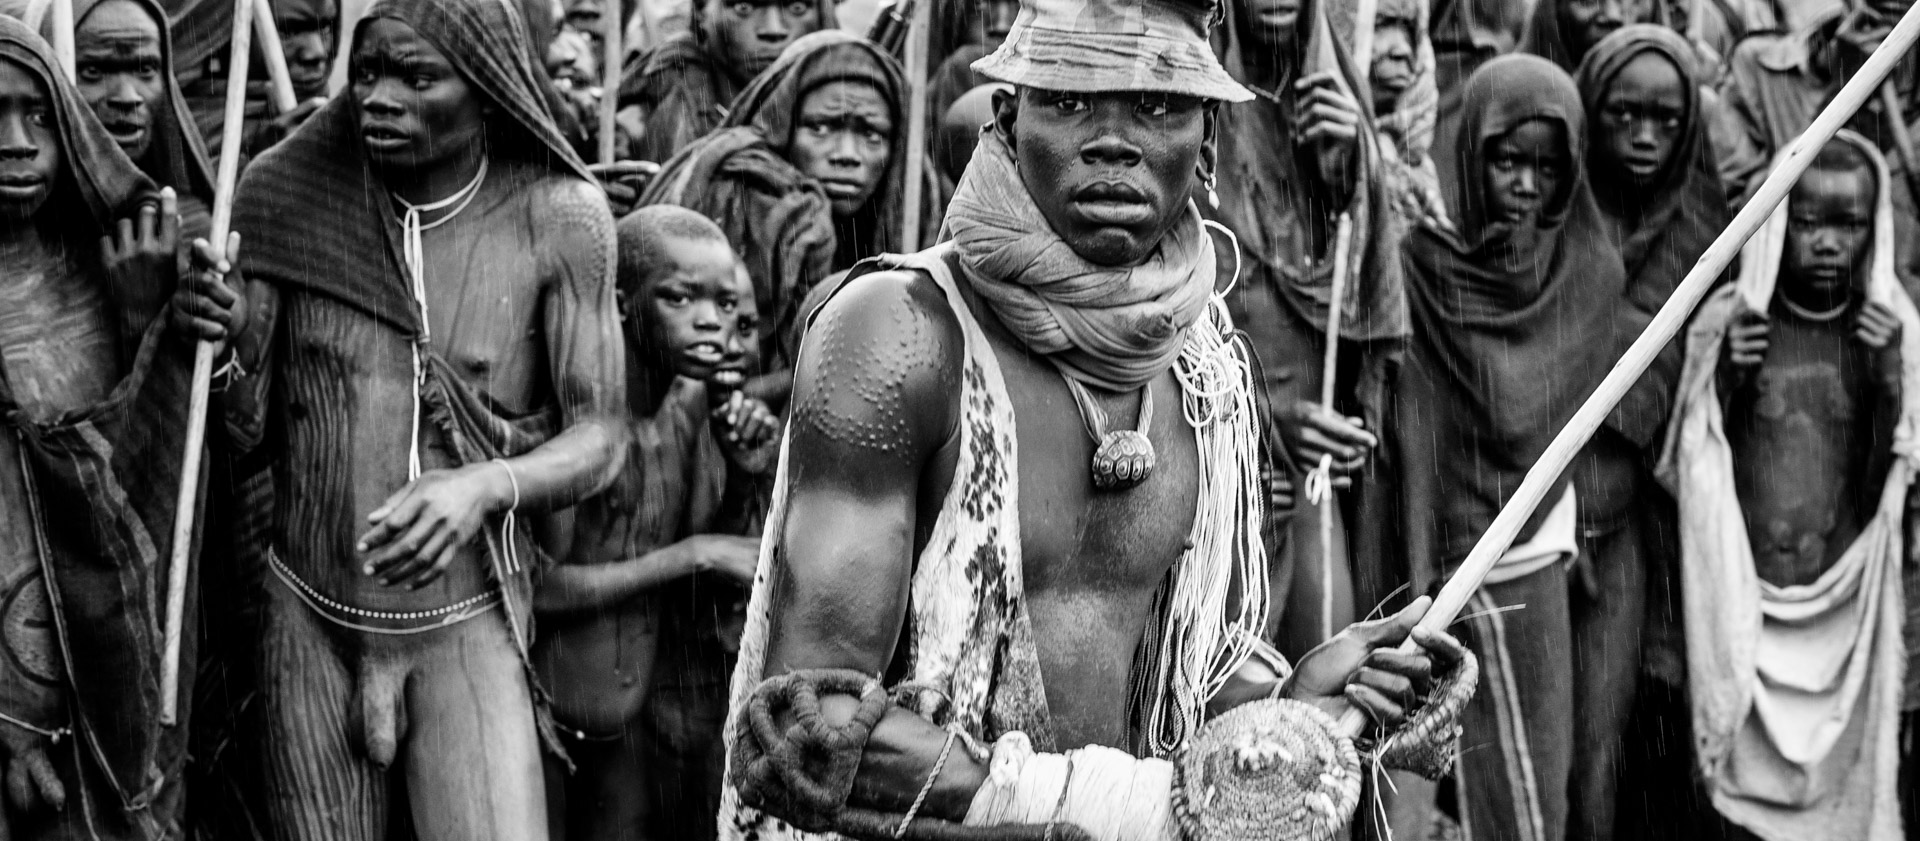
{"x":184,"y":513}
{"x":1665,"y":325}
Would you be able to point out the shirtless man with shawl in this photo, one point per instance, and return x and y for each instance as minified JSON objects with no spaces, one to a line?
{"x":93,"y":389}
{"x":1505,"y":347}
{"x":682,"y":89}
{"x":1791,"y":455}
{"x":435,"y":342}
{"x":1293,"y":159}
{"x":1022,"y":484}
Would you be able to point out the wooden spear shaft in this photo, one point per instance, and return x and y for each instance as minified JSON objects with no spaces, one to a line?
{"x":918,"y":33}
{"x":61,"y":14}
{"x":1665,"y":325}
{"x":611,"y":30}
{"x":189,"y":498}
{"x":279,"y":78}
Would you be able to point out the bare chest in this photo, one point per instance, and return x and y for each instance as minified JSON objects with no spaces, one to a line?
{"x":1093,"y":559}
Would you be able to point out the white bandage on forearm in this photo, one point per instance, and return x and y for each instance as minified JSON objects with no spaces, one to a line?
{"x":1108,"y":793}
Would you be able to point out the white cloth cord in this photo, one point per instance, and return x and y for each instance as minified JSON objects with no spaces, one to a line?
{"x":410,"y":250}
{"x":1108,"y":793}
{"x":506,"y":523}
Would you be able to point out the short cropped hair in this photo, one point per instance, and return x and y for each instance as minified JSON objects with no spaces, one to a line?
{"x":644,"y":235}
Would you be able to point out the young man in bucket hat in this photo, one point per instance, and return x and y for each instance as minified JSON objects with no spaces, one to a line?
{"x":1020,"y":507}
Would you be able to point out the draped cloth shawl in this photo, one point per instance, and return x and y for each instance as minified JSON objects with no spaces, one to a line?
{"x":1662,"y":228}
{"x":1505,"y":345}
{"x":1265,"y":198}
{"x":346,"y":243}
{"x":112,"y":473}
{"x":1795,"y":690}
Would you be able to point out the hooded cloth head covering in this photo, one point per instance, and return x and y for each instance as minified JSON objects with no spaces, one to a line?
{"x":178,"y":152}
{"x":1273,"y":205}
{"x":320,"y":174}
{"x":776,"y":216}
{"x":1505,"y":343}
{"x":1662,"y":228}
{"x":111,"y":471}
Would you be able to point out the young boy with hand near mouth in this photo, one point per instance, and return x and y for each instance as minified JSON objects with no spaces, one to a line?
{"x":701,"y":454}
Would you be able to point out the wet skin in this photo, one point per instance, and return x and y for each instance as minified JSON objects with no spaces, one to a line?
{"x":1640,"y":119}
{"x":875,"y":434}
{"x":843,"y":138}
{"x":747,"y":35}
{"x":1810,"y":403}
{"x":120,"y":71}
{"x":524,"y":315}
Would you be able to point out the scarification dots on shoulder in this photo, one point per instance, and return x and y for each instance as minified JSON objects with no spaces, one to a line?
{"x":860,"y":398}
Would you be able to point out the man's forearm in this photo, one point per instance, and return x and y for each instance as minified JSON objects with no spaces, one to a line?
{"x":577,"y":588}
{"x":576,"y":464}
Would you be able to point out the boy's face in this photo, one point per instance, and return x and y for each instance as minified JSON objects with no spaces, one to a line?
{"x":120,"y":72}
{"x":1641,"y":119}
{"x":1525,"y":170}
{"x":697,"y":311}
{"x":29,"y":151}
{"x":1829,"y":231}
{"x":749,"y":34}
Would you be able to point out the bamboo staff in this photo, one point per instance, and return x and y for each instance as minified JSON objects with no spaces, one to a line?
{"x":1665,"y":325}
{"x":189,"y":499}
{"x":610,"y":31}
{"x":280,"y":79}
{"x":917,"y":36}
{"x":62,"y":25}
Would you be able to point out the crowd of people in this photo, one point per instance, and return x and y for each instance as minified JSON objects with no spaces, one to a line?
{"x":1078,"y":463}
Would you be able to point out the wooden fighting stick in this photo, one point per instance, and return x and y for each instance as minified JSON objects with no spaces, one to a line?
{"x":189,"y":499}
{"x":61,"y":13}
{"x":918,"y":34}
{"x":279,"y":79}
{"x":610,"y":31}
{"x":1665,"y":325}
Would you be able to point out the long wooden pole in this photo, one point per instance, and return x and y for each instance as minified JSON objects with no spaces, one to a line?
{"x":279,"y":78}
{"x":1329,"y":368}
{"x":189,"y":498}
{"x":1665,"y":325}
{"x":61,"y":14}
{"x":611,"y":28}
{"x":918,"y":34}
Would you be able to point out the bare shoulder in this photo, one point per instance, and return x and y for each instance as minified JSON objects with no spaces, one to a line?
{"x":574,"y":229}
{"x":880,"y":369}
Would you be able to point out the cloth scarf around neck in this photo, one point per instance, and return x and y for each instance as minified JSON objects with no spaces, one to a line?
{"x":1112,"y":327}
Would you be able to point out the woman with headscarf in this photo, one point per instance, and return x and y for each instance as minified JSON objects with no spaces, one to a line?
{"x":807,"y":175}
{"x":1288,"y":170}
{"x":677,"y":92}
{"x":93,"y":401}
{"x":430,"y":338}
{"x":1506,"y":344}
{"x":1657,"y":186}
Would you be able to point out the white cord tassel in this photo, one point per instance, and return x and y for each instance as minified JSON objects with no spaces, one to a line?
{"x":415,"y":256}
